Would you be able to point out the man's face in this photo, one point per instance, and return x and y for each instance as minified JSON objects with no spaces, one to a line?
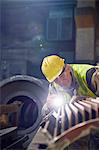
{"x":64,"y":79}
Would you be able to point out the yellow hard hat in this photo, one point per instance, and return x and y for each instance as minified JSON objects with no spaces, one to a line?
{"x":52,"y":67}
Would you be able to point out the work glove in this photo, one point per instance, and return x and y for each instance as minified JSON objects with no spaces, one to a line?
{"x":48,"y":107}
{"x":50,"y":100}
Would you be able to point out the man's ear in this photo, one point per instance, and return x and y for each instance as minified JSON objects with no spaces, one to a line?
{"x":68,"y":67}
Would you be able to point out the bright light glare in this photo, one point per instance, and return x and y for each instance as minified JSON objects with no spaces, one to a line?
{"x":58,"y":101}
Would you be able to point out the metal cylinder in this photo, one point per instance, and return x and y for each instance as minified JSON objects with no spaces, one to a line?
{"x":32,"y":94}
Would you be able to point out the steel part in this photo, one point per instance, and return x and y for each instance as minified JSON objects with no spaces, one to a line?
{"x":32,"y":93}
{"x":73,"y":122}
{"x":78,"y":123}
{"x":73,"y":134}
{"x":9,"y":108}
{"x":73,"y":115}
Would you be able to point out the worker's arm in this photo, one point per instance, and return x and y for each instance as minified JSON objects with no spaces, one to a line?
{"x":95,"y":81}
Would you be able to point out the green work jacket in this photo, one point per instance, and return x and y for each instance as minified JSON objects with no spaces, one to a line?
{"x":79,"y":72}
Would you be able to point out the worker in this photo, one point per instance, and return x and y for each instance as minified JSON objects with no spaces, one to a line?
{"x":74,"y":79}
{"x":81,"y":80}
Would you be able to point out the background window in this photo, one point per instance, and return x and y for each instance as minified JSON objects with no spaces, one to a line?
{"x":59,"y":25}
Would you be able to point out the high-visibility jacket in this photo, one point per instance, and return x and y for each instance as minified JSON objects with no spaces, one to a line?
{"x":79,"y":72}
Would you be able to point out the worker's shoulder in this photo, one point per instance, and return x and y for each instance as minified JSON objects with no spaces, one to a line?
{"x":82,"y":65}
{"x":97,"y":66}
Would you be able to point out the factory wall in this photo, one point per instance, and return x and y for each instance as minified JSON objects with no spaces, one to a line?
{"x":30,"y":30}
{"x":87,"y":31}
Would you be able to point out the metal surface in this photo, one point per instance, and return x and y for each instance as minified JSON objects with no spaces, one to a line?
{"x":32,"y":94}
{"x":73,"y":122}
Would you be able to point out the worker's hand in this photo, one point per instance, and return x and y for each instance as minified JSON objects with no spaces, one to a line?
{"x":77,"y":98}
{"x":48,"y":107}
{"x":50,"y":100}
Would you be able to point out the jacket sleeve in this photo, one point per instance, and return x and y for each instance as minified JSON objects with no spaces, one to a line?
{"x":95,"y":81}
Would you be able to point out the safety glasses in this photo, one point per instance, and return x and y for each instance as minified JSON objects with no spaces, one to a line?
{"x":62,"y":71}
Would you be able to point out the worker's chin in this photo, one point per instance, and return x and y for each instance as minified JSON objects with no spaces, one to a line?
{"x":65,"y":86}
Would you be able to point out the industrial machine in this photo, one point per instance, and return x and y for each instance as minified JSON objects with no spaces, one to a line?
{"x":30,"y":94}
{"x":74,"y":126}
{"x":68,"y":126}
